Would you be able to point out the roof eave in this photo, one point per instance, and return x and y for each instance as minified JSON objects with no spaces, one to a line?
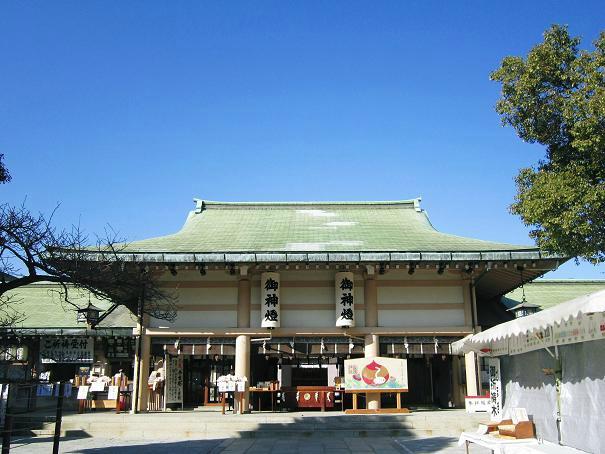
{"x":340,"y":257}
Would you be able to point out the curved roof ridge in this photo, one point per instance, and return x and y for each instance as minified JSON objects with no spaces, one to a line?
{"x":298,"y":227}
{"x":413,"y":203}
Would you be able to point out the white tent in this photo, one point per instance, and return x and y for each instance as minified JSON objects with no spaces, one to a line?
{"x":553,"y":364}
{"x":579,"y":320}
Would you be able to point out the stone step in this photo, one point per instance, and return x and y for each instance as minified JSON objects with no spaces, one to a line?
{"x":195,"y":431}
{"x":286,"y":433}
{"x":217,"y":426}
{"x":214,"y":425}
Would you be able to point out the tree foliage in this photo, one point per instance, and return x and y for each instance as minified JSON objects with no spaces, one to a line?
{"x":556,"y":97}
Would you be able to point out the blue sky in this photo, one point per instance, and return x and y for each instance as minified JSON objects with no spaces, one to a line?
{"x":122,"y":112}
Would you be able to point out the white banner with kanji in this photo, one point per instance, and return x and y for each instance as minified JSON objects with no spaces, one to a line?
{"x":269,"y":300}
{"x":495,"y":389}
{"x":345,"y":299}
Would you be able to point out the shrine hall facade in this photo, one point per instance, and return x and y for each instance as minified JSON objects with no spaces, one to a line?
{"x":287,"y":291}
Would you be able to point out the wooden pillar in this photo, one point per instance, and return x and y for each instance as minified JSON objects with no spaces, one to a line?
{"x":470,"y":363}
{"x":134,"y":398}
{"x":469,"y":319}
{"x":370,"y":297}
{"x":243,"y":299}
{"x":457,"y":390}
{"x":243,"y":303}
{"x":370,"y":350}
{"x":474,"y":305}
{"x":143,"y":371}
{"x":242,"y":365}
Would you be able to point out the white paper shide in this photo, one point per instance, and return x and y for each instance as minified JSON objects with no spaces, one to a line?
{"x":345,"y":299}
{"x":270,"y":302}
{"x":231,"y":383}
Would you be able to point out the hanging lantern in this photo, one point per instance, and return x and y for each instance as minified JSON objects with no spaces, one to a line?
{"x":88,"y":314}
{"x":524,"y":308}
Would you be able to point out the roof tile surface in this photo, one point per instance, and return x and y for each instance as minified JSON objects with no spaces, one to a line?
{"x":43,"y":306}
{"x":311,"y":227}
{"x":550,"y":292}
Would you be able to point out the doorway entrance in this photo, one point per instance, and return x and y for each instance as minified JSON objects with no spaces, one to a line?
{"x":200,"y":374}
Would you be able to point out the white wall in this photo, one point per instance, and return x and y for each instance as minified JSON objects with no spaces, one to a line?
{"x":414,"y":318}
{"x":199,"y":319}
{"x":400,"y":299}
{"x":316,"y":288}
{"x":221,"y":302}
{"x":409,"y":301}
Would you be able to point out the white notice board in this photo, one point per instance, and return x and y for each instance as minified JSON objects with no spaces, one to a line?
{"x":83,"y":392}
{"x":112,"y":393}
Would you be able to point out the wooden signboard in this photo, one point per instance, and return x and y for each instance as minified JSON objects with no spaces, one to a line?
{"x":174,"y":380}
{"x":376,"y":375}
{"x":66,"y":349}
{"x":370,"y":374}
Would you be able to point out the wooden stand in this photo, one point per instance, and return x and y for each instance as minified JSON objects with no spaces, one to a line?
{"x":521,"y":430}
{"x":155,"y":399}
{"x":238,"y":397}
{"x":123,"y":399}
{"x":272,"y":394}
{"x":223,"y":402}
{"x":360,"y":411}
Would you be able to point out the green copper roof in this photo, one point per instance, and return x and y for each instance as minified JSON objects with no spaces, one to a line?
{"x":400,"y":226}
{"x":43,"y":306}
{"x":550,"y":292}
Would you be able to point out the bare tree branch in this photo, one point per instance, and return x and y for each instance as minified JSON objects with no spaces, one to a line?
{"x":66,"y":258}
{"x":5,"y":176}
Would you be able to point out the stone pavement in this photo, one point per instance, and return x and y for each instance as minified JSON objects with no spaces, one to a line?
{"x":306,"y":445}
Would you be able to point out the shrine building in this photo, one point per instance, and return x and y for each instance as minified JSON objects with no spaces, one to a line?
{"x":285,"y":292}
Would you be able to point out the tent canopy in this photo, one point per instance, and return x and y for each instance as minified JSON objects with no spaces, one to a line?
{"x":583,"y":305}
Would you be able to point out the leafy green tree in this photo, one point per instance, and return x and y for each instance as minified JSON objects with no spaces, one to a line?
{"x":556,"y":97}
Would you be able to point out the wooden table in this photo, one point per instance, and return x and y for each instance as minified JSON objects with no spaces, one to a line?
{"x":96,"y":403}
{"x":260,"y":391}
{"x":356,"y":410}
{"x":497,"y":445}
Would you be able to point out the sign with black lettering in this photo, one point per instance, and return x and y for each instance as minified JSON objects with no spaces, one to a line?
{"x":345,"y":299}
{"x":66,"y":349}
{"x":495,"y":389}
{"x":269,"y":303}
{"x":174,"y":380}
